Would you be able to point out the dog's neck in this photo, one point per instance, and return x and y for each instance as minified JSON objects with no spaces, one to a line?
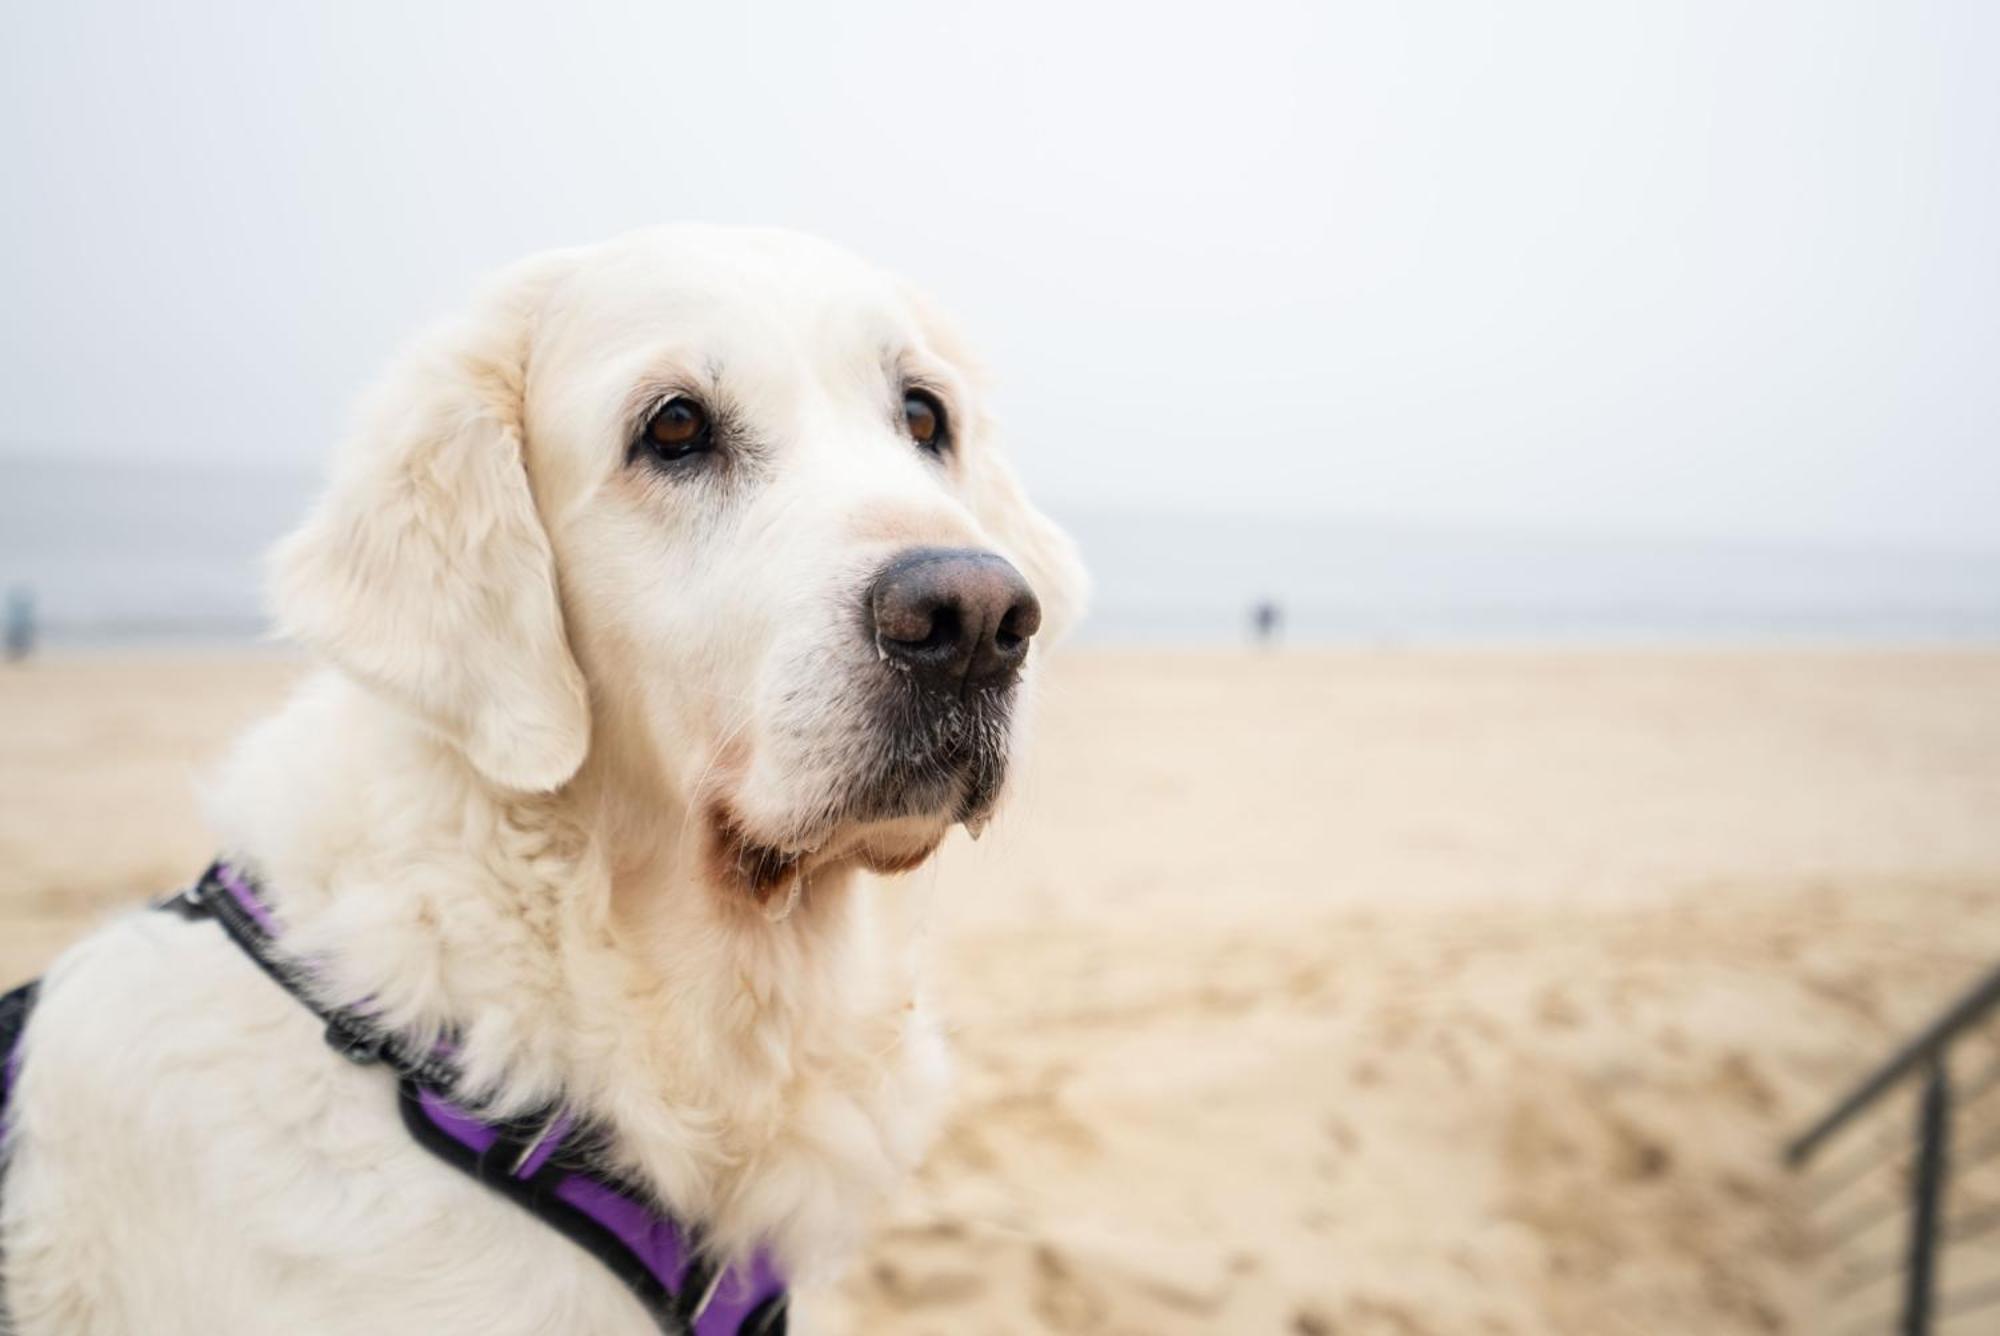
{"x":769,"y":1079}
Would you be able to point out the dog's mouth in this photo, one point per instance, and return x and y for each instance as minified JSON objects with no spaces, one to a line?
{"x":927,"y":771}
{"x":935,"y":758}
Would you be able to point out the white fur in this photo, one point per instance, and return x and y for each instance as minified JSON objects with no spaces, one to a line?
{"x":487,"y":814}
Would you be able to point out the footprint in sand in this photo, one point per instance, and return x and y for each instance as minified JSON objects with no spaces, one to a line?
{"x":1556,"y":1010}
{"x":1313,"y":1322}
{"x":1636,"y":1154}
{"x":1852,"y":993}
{"x":1061,"y":1298}
{"x":1366,"y":1316}
{"x":1738,"y":1077}
{"x":909,"y":1286}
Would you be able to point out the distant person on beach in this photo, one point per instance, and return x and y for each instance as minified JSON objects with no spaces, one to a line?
{"x":1267,"y":620}
{"x":20,"y":624}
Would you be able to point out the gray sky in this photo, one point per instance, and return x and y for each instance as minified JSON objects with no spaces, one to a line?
{"x":1728,"y":268}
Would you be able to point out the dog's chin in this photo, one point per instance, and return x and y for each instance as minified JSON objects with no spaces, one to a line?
{"x":926,"y":766}
{"x":772,"y":875}
{"x":886,"y":828}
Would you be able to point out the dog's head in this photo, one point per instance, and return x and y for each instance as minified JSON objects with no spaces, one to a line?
{"x":722,"y":508}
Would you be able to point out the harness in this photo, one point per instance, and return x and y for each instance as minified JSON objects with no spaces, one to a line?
{"x":544,"y":1163}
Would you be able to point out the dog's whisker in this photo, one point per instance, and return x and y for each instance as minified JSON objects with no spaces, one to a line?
{"x":698,"y":794}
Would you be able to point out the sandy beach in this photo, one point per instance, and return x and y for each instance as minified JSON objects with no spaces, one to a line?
{"x":1410,"y":993}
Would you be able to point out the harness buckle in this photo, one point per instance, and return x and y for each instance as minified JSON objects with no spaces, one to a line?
{"x":188,"y":903}
{"x":698,"y":1289}
{"x":363,"y":1050}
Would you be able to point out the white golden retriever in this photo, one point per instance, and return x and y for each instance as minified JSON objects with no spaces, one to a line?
{"x":663,"y":599}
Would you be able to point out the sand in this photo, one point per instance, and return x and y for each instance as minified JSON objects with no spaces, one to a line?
{"x":1365,"y":992}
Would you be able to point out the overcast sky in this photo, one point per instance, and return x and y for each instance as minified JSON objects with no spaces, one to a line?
{"x":1720,"y":269}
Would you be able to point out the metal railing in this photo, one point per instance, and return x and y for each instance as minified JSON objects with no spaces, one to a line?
{"x":1925,"y":1058}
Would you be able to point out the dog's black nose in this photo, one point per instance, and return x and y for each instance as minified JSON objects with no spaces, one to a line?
{"x":954,"y":617}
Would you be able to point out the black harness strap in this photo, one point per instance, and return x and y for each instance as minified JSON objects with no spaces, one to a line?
{"x":222,"y":895}
{"x":15,"y":1008}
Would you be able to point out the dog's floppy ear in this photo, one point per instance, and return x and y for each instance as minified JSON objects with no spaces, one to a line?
{"x":425,"y":572}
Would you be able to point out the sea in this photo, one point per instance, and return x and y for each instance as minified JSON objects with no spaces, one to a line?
{"x":108,"y":555}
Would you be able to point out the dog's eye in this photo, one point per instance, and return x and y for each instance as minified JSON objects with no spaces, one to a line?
{"x":923,"y":418}
{"x":678,"y":428}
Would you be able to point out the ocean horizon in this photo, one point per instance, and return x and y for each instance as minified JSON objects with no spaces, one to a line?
{"x":122,"y":554}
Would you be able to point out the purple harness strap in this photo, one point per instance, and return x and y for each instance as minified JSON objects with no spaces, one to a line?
{"x":648,"y":1250}
{"x":246,"y":898}
{"x":543,"y":1170}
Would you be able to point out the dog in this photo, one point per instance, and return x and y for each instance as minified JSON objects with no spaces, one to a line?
{"x":666,"y":606}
